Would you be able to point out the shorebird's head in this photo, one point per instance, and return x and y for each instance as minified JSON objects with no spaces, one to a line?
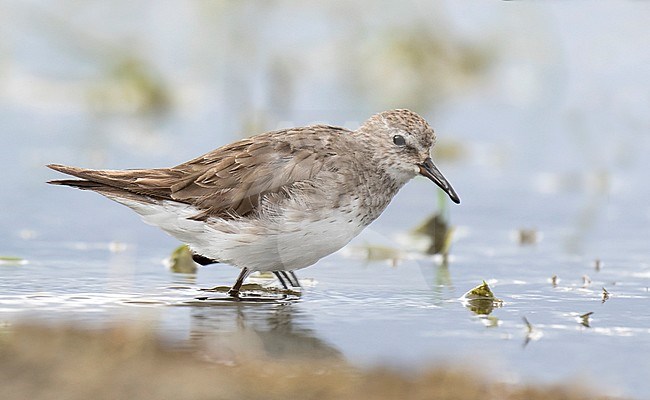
{"x":404,"y":141}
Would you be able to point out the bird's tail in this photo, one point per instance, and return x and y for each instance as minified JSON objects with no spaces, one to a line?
{"x":109,"y":183}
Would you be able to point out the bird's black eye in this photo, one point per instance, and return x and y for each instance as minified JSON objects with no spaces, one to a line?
{"x":399,"y":140}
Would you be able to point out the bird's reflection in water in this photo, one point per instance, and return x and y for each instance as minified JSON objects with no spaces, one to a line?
{"x":233,"y":331}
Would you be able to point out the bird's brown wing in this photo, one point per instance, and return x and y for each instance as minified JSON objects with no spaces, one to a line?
{"x":232,"y":180}
{"x":229,"y":181}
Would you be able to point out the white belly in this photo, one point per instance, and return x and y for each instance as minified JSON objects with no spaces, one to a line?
{"x":296,"y":240}
{"x":285,"y":246}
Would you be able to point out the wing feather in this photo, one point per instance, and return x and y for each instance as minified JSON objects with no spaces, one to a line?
{"x":235,"y":183}
{"x":231,"y":181}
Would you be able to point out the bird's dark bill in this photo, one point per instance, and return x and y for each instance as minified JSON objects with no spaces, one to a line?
{"x":428,"y":169}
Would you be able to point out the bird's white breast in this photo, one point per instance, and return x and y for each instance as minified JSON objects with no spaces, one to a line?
{"x":295,"y":239}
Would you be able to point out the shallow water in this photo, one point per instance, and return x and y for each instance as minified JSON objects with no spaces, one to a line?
{"x":404,"y":315}
{"x":553,"y":140}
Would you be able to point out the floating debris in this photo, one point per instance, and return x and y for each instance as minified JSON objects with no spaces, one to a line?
{"x":481,"y":291}
{"x":529,"y":326}
{"x":481,"y":300}
{"x":605,"y":295}
{"x":9,"y":260}
{"x":531,"y":333}
{"x":181,"y":261}
{"x":584,"y":319}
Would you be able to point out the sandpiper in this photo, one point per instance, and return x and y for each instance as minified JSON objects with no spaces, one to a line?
{"x":281,"y":200}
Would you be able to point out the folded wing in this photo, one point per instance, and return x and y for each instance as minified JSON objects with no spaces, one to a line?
{"x":227,"y":182}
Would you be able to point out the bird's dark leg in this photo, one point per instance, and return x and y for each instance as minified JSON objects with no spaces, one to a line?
{"x":292,"y":278}
{"x":234,"y":291}
{"x":278,"y":274}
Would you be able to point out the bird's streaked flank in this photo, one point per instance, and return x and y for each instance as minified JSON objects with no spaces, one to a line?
{"x":281,"y":200}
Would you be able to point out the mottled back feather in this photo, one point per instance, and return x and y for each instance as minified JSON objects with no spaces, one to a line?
{"x":222,"y":183}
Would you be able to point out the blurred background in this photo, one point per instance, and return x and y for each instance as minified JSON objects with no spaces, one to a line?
{"x":541,"y":112}
{"x":538,"y":98}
